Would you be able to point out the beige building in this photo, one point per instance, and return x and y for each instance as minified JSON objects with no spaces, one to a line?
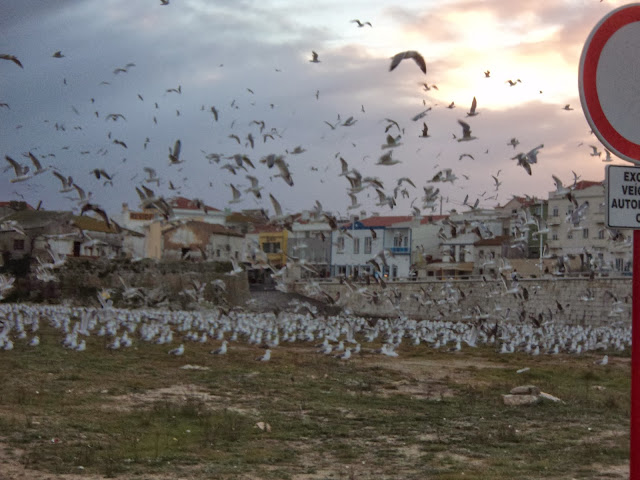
{"x":193,"y":240}
{"x":588,"y":239}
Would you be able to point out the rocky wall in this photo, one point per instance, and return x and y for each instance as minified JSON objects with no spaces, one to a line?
{"x":571,"y":300}
{"x":79,"y":280}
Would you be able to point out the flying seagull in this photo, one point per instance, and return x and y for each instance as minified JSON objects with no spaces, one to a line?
{"x":361,"y":24}
{"x":397,"y":58}
{"x":22,"y":171}
{"x":466,"y":132}
{"x":314,"y":58}
{"x":472,"y":111}
{"x":174,"y":156}
{"x":14,"y":59}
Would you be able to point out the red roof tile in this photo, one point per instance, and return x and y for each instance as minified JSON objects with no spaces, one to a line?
{"x":380,"y":221}
{"x":186,"y":204}
{"x":582,"y":184}
{"x":16,"y":203}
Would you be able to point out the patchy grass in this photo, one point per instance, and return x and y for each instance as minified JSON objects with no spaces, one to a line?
{"x":427,"y":414}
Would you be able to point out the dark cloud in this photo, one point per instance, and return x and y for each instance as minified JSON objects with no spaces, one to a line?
{"x":216,"y":51}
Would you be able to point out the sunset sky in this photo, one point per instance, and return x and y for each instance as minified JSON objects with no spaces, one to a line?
{"x":219,"y":52}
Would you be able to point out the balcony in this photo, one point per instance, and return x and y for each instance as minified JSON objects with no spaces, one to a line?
{"x":399,"y":250}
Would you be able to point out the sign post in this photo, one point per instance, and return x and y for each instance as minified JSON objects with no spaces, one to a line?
{"x":607,"y":80}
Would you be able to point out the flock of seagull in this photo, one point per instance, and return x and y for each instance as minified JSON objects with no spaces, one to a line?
{"x":344,"y":336}
{"x":241,"y":162}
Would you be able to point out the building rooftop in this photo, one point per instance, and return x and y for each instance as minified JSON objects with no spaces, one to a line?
{"x":186,"y":204}
{"x":212,"y":228}
{"x":38,"y":218}
{"x":582,"y":184}
{"x":16,"y":205}
{"x":92,"y":224}
{"x":381,"y":221}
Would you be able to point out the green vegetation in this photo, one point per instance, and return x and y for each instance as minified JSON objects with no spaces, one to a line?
{"x":438,"y":415}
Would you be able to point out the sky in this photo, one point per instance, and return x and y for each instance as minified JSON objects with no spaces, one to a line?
{"x":251,"y":61}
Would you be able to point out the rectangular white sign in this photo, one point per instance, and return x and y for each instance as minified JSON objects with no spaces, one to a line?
{"x":622,"y":189}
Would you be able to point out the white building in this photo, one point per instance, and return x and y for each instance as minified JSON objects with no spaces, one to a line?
{"x":183,"y":209}
{"x":310,"y":242}
{"x":589,"y":239}
{"x":354,"y":249}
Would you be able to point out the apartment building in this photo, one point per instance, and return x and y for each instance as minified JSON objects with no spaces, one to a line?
{"x":588,"y":238}
{"x":360,"y":241}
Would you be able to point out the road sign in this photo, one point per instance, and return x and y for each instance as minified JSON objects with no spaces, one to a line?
{"x":608,"y":81}
{"x":610,"y":97}
{"x":622,"y":191}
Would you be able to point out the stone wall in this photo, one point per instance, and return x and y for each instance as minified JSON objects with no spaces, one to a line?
{"x":570,"y":300}
{"x":81,"y":279}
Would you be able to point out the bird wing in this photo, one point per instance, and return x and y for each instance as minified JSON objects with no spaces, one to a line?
{"x":176,"y":148}
{"x":276,"y":206}
{"x":236,"y":192}
{"x":61,"y":178}
{"x":419,"y":61}
{"x":35,"y":161}
{"x":466,"y":129}
{"x":16,"y":166}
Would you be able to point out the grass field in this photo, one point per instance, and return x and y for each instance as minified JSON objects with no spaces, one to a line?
{"x":427,"y":414}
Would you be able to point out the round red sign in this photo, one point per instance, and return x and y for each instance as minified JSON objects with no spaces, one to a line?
{"x":608,"y":81}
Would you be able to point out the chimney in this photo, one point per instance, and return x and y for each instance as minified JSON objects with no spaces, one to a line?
{"x":125,"y":207}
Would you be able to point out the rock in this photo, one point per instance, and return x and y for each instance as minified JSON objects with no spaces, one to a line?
{"x":547,"y":396}
{"x":525,"y":390}
{"x":517,"y":400}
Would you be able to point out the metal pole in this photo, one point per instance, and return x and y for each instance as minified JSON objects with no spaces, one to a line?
{"x":539,"y":235}
{"x":634,"y":463}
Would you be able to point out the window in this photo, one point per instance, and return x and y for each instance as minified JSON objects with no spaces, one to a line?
{"x":356,"y":245}
{"x":394,"y":271}
{"x":585,"y":233}
{"x":367,"y":245}
{"x":268,"y":247}
{"x":554,"y":236}
{"x":601,"y":234}
{"x":397,"y":240}
{"x":619,"y":264}
{"x":569,"y":235}
{"x":218,"y":253}
{"x":556,"y":211}
{"x":569,"y":211}
{"x":340,"y":244}
{"x":18,"y":244}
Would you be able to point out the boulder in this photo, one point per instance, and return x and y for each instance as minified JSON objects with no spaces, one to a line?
{"x":517,"y":400}
{"x":525,"y":390}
